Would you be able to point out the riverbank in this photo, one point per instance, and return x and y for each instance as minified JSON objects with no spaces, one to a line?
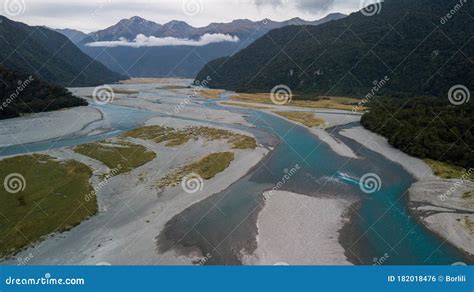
{"x":295,"y":229}
{"x":136,"y":209}
{"x":444,"y":206}
{"x":133,"y":211}
{"x":179,"y":102}
{"x":379,"y":144}
{"x":331,"y":117}
{"x":44,"y":126}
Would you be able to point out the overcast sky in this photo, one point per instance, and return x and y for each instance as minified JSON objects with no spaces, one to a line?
{"x":91,"y":15}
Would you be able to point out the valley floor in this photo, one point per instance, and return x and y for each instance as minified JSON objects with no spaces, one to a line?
{"x":134,"y":207}
{"x":304,"y":224}
{"x":48,"y":125}
{"x":445,"y":206}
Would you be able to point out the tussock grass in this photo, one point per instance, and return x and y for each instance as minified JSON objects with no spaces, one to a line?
{"x":307,"y":119}
{"x":341,"y":103}
{"x":446,"y":170}
{"x":55,"y":199}
{"x":175,"y":137}
{"x":211,"y":93}
{"x":119,"y":155}
{"x":124,"y":91}
{"x":469,"y":225}
{"x":468,"y":195}
{"x":244,"y":105}
{"x":172,"y":87}
{"x":206,"y":167}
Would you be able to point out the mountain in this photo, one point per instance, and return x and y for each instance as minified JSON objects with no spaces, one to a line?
{"x":130,"y":28}
{"x":127,"y":28}
{"x":49,"y":55}
{"x":408,"y":41}
{"x":176,"y":61}
{"x":23,"y":93}
{"x":73,"y":35}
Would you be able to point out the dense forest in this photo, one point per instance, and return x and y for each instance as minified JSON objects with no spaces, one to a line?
{"x":407,"y":41}
{"x":23,"y":93}
{"x":425,"y":127}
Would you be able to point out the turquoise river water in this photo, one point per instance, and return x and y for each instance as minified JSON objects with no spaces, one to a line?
{"x":380,"y":224}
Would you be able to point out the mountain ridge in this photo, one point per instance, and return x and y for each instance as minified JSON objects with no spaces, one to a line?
{"x":131,"y":27}
{"x":176,"y":61}
{"x":49,"y":55}
{"x":73,"y":35}
{"x":346,"y":56}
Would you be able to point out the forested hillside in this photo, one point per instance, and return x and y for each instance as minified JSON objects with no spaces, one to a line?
{"x":23,"y":93}
{"x":49,"y":55}
{"x":412,"y":45}
{"x":406,"y":41}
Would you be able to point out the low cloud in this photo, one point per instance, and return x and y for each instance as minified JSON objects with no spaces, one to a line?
{"x":274,"y":3}
{"x":144,"y":41}
{"x":303,"y":5}
{"x":314,"y":5}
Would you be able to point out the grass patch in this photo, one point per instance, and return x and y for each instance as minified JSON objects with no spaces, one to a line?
{"x":175,"y":137}
{"x":467,"y":195}
{"x":121,"y":155}
{"x":469,"y":225}
{"x":124,"y":91}
{"x":206,"y":167}
{"x":172,"y":87}
{"x":244,"y":105}
{"x":307,"y":119}
{"x":144,"y":80}
{"x":341,"y":103}
{"x":160,"y":134}
{"x":211,"y":93}
{"x":446,"y":170}
{"x":53,"y":200}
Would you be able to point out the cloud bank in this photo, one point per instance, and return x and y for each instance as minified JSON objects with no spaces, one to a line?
{"x":303,"y":5}
{"x":144,"y":41}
